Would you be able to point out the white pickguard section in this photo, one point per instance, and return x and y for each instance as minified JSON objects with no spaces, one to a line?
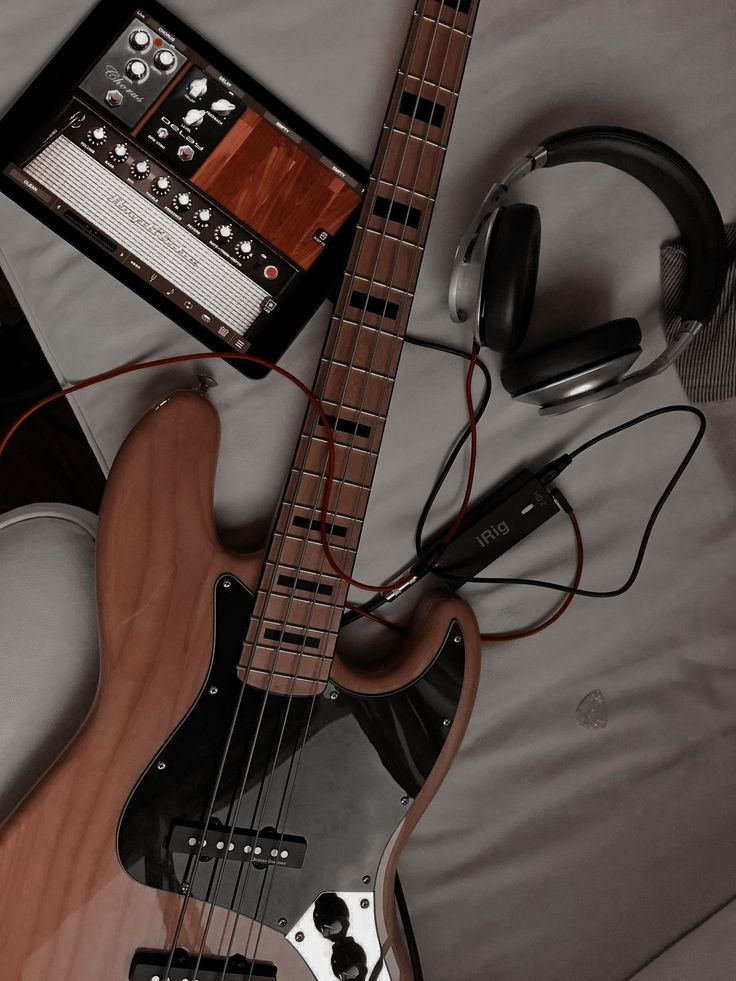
{"x":316,"y":950}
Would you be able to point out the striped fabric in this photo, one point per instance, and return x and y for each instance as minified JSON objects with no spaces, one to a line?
{"x":708,"y":367}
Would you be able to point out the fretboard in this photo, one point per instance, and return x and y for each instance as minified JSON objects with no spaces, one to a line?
{"x":300,"y":600}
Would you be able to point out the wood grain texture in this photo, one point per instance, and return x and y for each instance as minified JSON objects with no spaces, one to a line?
{"x":67,"y":908}
{"x":358,"y":366}
{"x":268,"y":181}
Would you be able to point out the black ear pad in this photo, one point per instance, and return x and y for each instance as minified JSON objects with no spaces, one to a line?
{"x":585,"y":350}
{"x":678,"y":186}
{"x":509,"y":277}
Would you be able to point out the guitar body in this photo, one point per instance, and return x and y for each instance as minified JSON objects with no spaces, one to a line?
{"x":105,"y":861}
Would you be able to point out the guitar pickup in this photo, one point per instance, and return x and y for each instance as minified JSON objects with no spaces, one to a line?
{"x":239,"y":845}
{"x":149,"y":965}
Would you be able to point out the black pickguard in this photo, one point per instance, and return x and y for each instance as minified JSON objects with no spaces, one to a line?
{"x":341,"y":788}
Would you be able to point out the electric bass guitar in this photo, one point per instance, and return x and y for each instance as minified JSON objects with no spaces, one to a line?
{"x":235,"y":805}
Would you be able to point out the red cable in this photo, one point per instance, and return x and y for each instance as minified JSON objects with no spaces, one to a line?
{"x":550,"y":619}
{"x":526,"y":631}
{"x":314,"y":401}
{"x":389,"y":587}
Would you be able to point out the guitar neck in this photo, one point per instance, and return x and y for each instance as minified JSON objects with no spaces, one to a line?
{"x":300,"y":600}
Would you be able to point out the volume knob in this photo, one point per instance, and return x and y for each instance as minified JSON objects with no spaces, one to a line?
{"x":245,"y":247}
{"x":140,"y":170}
{"x":161,"y":186}
{"x":202,"y":217}
{"x":136,"y":69}
{"x":348,"y":960}
{"x":119,"y":153}
{"x":182,"y":201}
{"x":97,"y":136}
{"x":224,"y":232}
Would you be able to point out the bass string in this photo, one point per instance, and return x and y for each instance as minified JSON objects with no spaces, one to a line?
{"x":268,"y":691}
{"x":302,"y":651}
{"x":218,"y":779}
{"x":313,"y":603}
{"x":285,"y":803}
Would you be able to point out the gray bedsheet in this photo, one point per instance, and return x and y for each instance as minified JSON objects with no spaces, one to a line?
{"x":553,"y":851}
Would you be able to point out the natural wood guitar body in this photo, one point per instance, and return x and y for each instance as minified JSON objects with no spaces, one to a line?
{"x":68,"y":909}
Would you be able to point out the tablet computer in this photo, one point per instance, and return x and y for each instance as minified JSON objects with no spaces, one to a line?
{"x":179,"y":174}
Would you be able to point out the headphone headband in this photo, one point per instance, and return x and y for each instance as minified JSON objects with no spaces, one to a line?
{"x":678,"y":186}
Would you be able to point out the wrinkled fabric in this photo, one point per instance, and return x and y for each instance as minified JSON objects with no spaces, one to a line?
{"x":554,"y":850}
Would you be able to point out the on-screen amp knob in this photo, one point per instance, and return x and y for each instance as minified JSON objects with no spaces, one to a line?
{"x":202,"y":217}
{"x":140,"y":170}
{"x":183,"y":201}
{"x":97,"y":136}
{"x":119,"y":153}
{"x":161,"y":185}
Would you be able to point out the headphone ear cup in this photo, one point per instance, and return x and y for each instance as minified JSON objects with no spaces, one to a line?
{"x":554,"y":362}
{"x":509,"y":278}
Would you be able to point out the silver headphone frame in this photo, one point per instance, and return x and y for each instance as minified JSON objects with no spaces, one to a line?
{"x":574,"y":391}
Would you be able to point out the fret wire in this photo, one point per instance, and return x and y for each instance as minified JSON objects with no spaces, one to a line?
{"x":312,"y":473}
{"x":318,"y":602}
{"x":369,"y":374}
{"x":400,"y":187}
{"x":319,"y":574}
{"x":395,"y":129}
{"x":450,"y":27}
{"x":437,"y":85}
{"x":370,"y":207}
{"x":360,"y":277}
{"x":377,"y":183}
{"x":270,"y":624}
{"x":342,"y":364}
{"x":414,"y":245}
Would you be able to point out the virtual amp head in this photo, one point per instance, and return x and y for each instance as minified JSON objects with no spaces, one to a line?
{"x":157,"y":224}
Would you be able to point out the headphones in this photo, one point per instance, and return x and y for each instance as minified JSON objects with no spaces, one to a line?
{"x":494,"y":274}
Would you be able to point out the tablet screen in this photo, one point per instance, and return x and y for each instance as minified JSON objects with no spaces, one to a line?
{"x":180,"y":174}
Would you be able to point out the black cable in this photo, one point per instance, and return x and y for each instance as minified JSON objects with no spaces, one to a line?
{"x":460,"y":440}
{"x":411,"y":941}
{"x":379,"y":599}
{"x":551,"y":471}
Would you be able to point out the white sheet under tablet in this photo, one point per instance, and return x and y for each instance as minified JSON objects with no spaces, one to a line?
{"x":554,"y":850}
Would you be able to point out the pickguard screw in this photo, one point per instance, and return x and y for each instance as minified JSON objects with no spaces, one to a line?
{"x":160,"y":765}
{"x":405,"y":800}
{"x":446,"y":722}
{"x":282,"y":921}
{"x":213,"y":689}
{"x":227,"y":583}
{"x":299,"y":937}
{"x":364,"y":904}
{"x":366,"y":880}
{"x":333,"y":695}
{"x":457,"y":639}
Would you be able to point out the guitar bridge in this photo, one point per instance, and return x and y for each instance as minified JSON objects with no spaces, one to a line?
{"x":149,"y":965}
{"x":266,"y":847}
